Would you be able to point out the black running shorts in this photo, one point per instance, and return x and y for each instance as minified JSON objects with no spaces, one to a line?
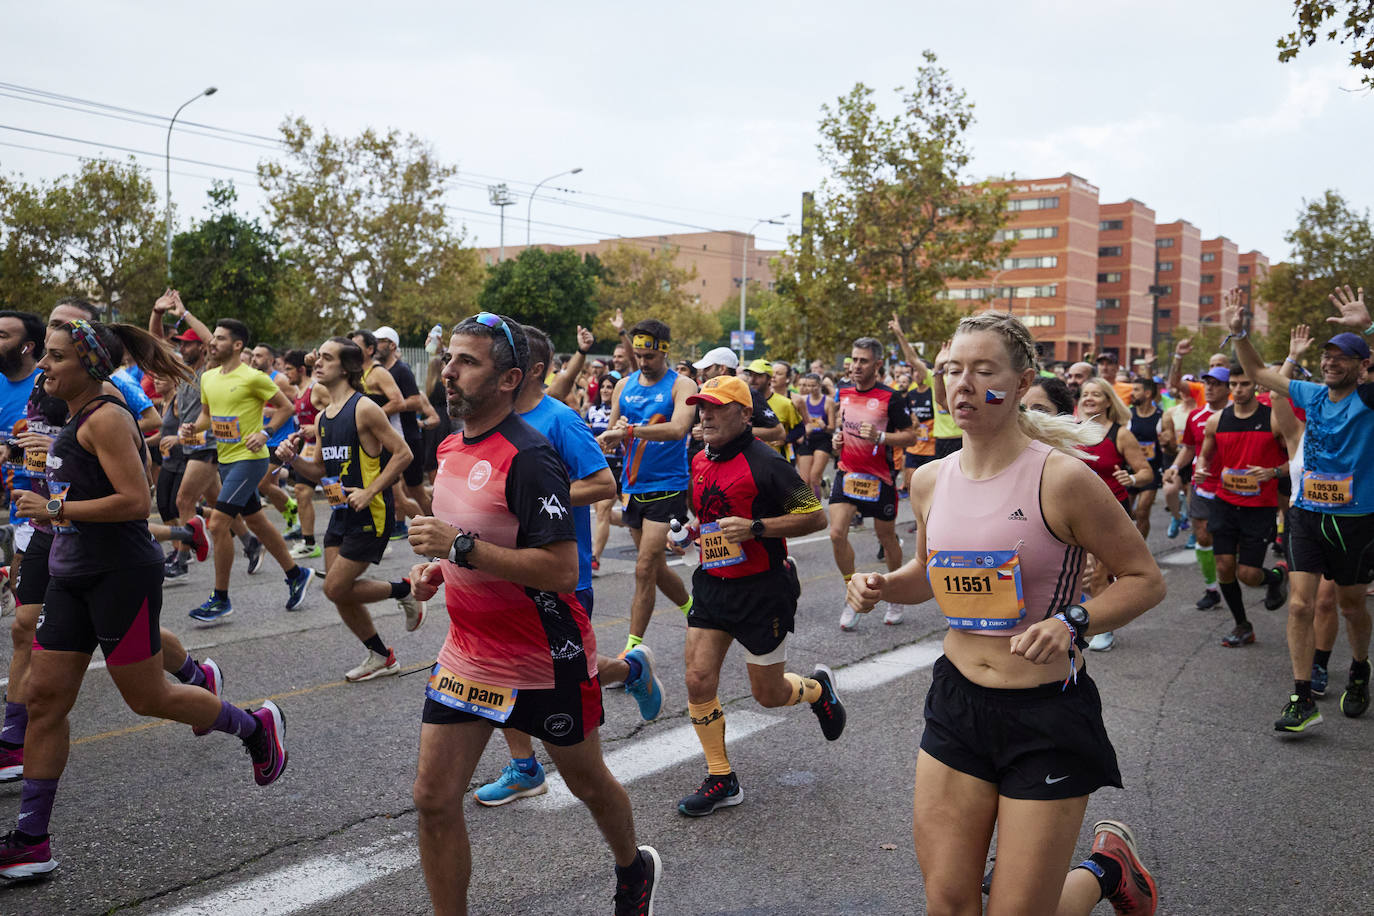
{"x":1339,"y":547}
{"x":883,"y":509}
{"x":117,"y":610}
{"x":32,"y":583}
{"x":353,"y":542}
{"x":414,"y":473}
{"x":563,"y":716}
{"x":758,"y":611}
{"x":655,"y":507}
{"x":1244,"y":532}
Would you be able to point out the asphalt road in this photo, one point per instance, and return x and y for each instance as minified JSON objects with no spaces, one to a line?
{"x":150,"y":819}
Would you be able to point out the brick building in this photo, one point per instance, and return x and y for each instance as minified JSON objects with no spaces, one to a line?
{"x":1217,"y":273}
{"x":1125,"y":273}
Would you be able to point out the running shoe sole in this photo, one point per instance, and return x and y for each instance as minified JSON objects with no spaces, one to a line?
{"x":728,"y":801}
{"x":506,"y":800}
{"x":278,"y":737}
{"x":22,"y":870}
{"x":387,"y":671}
{"x":214,"y":682}
{"x":652,"y":853}
{"x":413,"y":621}
{"x":200,"y":542}
{"x":1122,"y":832}
{"x":13,"y":772}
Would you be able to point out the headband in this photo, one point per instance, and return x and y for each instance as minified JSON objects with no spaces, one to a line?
{"x":90,"y":350}
{"x":649,"y":342}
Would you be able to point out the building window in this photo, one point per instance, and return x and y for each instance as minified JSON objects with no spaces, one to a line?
{"x":1108,"y":303}
{"x":976,"y":292}
{"x":1245,"y":268}
{"x":1166,"y":290}
{"x":1029,"y":292}
{"x":1164,"y":266}
{"x":1208,"y":278}
{"x":1048,"y":260}
{"x":1208,"y":256}
{"x":1109,"y":251}
{"x":1110,"y":225}
{"x":1164,"y":243}
{"x":1166,"y":313}
{"x":1206,"y":300}
{"x":1029,"y":232}
{"x":1113,"y":276}
{"x":1033,"y":203}
{"x":1107,"y":330}
{"x":1039,"y":321}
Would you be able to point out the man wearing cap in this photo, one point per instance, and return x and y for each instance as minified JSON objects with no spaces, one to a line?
{"x":1332,"y":532}
{"x":747,"y":501}
{"x":407,"y":422}
{"x":722,"y":361}
{"x":759,"y":377}
{"x":1216,"y":392}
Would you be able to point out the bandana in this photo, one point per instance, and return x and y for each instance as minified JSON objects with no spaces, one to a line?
{"x":91,"y":351}
{"x":649,"y":342}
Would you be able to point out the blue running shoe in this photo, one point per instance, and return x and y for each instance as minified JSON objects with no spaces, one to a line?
{"x":297,"y":587}
{"x":1192,"y":541}
{"x":212,"y":610}
{"x":513,"y":783}
{"x":646,"y":689}
{"x":1320,"y":678}
{"x":1175,"y":526}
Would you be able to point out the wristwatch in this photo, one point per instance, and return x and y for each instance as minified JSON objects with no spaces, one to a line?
{"x":54,"y":509}
{"x":462,"y":546}
{"x":1077,"y":616}
{"x":756,"y":528}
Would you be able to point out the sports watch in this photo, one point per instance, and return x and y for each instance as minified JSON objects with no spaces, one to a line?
{"x":54,"y":509}
{"x":462,"y":546}
{"x":1077,"y":616}
{"x":756,"y":528}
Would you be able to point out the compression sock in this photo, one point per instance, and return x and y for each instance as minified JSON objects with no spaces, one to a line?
{"x":686,"y":609}
{"x":374,"y":642}
{"x":35,"y":807}
{"x":1235,"y":601}
{"x":709,"y":721}
{"x":631,"y":875}
{"x":235,"y":721}
{"x":1304,"y":690}
{"x":221,"y":594}
{"x":17,"y":722}
{"x":804,"y":689}
{"x":1106,"y":870}
{"x":1321,"y":657}
{"x":180,"y":533}
{"x":1208,"y":564}
{"x":309,"y":540}
{"x":630,"y":642}
{"x":526,"y":765}
{"x":400,"y":589}
{"x":189,"y":670}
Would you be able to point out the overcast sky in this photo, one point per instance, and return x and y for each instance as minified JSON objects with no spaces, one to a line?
{"x":704,"y":114}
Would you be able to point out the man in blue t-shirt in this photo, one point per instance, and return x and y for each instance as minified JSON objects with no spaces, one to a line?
{"x":21,"y":346}
{"x":1332,"y":528}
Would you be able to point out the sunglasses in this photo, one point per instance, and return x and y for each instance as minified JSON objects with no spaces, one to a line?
{"x":493,"y":320}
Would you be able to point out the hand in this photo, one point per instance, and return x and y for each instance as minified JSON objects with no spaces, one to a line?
{"x":1232,"y":311}
{"x":164,"y":445}
{"x":1354,"y":313}
{"x":164,"y":302}
{"x":943,"y":356}
{"x":618,"y":321}
{"x":186,"y":430}
{"x":585,"y":340}
{"x":1262,"y":474}
{"x":868,"y":432}
{"x":696,"y":433}
{"x":1171,"y":475}
{"x":30,"y":438}
{"x":255,"y":441}
{"x":1149,"y":357}
{"x":425,"y":579}
{"x":28,"y":504}
{"x":735,"y":529}
{"x":864,"y":592}
{"x":357,"y":497}
{"x":1124,"y":477}
{"x":286,"y":452}
{"x":1045,"y":642}
{"x":178,"y":307}
{"x":1183,"y":348}
{"x":431,"y":537}
{"x":429,"y":422}
{"x":895,"y":325}
{"x":611,"y":438}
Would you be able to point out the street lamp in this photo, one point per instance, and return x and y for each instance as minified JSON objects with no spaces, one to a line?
{"x":744,"y":274}
{"x":530,"y":205}
{"x":208,"y":91}
{"x":500,"y":196}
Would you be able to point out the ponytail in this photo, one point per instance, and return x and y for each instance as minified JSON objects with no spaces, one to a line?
{"x":148,"y":352}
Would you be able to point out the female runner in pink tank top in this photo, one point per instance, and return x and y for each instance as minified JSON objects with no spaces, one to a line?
{"x":1014,"y":738}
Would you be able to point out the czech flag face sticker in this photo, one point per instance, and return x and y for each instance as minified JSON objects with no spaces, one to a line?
{"x":995,"y":396}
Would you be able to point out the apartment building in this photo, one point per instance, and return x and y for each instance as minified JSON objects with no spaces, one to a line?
{"x":1252,"y":270}
{"x":1125,"y":275}
{"x":1217,"y":274}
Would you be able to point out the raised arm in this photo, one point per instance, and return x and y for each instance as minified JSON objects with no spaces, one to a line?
{"x":563,"y":385}
{"x":1233,"y":316}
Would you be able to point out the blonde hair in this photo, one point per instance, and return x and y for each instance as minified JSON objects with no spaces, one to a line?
{"x":1063,"y":433}
{"x":1117,"y":411}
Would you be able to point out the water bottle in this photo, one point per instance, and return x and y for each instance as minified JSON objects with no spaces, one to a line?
{"x":681,"y":538}
{"x":436,"y":334}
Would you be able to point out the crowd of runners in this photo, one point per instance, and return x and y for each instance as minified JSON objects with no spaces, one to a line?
{"x":1031,"y":490}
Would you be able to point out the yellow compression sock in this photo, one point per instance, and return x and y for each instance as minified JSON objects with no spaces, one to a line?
{"x":631,"y":642}
{"x":686,"y":609}
{"x":709,"y":721}
{"x":804,"y":689}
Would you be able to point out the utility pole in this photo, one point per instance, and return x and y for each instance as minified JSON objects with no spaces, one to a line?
{"x":500,"y":196}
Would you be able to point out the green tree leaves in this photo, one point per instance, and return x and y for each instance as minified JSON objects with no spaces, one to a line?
{"x":553,"y":291}
{"x":1320,"y":19}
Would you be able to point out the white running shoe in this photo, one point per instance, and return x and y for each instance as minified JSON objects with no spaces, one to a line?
{"x":892,"y":613}
{"x":414,"y":610}
{"x":304,"y":551}
{"x":1103,"y":642}
{"x":849,"y":619}
{"x":374,"y":666}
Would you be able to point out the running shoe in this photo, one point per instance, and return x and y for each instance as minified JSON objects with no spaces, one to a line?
{"x":1191,"y":543}
{"x":24,"y":860}
{"x":513,"y":783}
{"x":1355,"y":700}
{"x":200,"y":541}
{"x":1103,"y":642}
{"x":11,"y":763}
{"x":1136,"y":894}
{"x":214,"y":682}
{"x":1175,"y":526}
{"x":857,"y":523}
{"x":647,"y":689}
{"x":1298,"y":716}
{"x":828,"y":709}
{"x":892,"y":613}
{"x":292,"y":533}
{"x":290,"y":513}
{"x":374,"y":666}
{"x":267,"y":746}
{"x":849,"y":619}
{"x":1210,"y":599}
{"x":414,"y":609}
{"x":596,"y":564}
{"x":7,"y":599}
{"x":304,"y":551}
{"x":1242,"y":635}
{"x":297,"y":587}
{"x":400,"y":532}
{"x":212,"y":610}
{"x":638,"y":900}
{"x":715,"y":792}
{"x":1320,"y":678}
{"x":174,"y":573}
{"x":1277,"y":593}
{"x":255,"y":554}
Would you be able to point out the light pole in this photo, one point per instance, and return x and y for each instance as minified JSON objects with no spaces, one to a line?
{"x":530,"y":205}
{"x":208,"y":91}
{"x":744,"y":274}
{"x":499,"y":195}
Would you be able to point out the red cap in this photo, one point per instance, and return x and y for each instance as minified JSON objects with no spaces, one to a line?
{"x":189,"y":335}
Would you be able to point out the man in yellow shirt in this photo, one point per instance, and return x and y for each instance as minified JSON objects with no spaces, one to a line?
{"x":759,"y":375}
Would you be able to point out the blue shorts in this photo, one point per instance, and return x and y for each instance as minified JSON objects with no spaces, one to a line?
{"x":238,"y":486}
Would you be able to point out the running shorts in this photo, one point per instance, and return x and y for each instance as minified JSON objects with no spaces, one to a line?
{"x":1199,"y":507}
{"x":563,"y":715}
{"x":1244,"y":532}
{"x":757,"y":611}
{"x":655,"y":507}
{"x":353,"y":542}
{"x":32,"y":583}
{"x":884,"y":508}
{"x":414,"y":473}
{"x":238,"y":486}
{"x":168,"y":484}
{"x":118,"y":610}
{"x":948,"y":445}
{"x":1339,"y":547}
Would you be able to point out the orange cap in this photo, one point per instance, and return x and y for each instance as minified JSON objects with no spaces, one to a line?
{"x":724,"y":389}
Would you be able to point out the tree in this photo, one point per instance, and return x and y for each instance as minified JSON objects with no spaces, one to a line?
{"x":229,"y":266}
{"x":97,"y":233}
{"x":365,"y":222}
{"x":552,"y":291}
{"x":759,"y":301}
{"x":1351,"y":26}
{"x":892,"y":221}
{"x":645,"y":284}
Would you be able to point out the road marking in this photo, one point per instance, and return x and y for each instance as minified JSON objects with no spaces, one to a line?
{"x":889,"y":666}
{"x":1177,"y":558}
{"x":308,"y":883}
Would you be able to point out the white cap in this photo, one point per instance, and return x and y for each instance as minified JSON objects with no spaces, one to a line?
{"x":387,"y":332}
{"x":720,"y":356}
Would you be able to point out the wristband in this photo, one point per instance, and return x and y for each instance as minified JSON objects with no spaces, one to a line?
{"x":630,"y":432}
{"x":1369,"y":330}
{"x":1073,"y":637}
{"x":882,"y":437}
{"x":583,"y":352}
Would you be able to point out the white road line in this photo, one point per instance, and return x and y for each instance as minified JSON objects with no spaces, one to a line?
{"x":1177,"y":558}
{"x":308,"y":883}
{"x":889,"y":666}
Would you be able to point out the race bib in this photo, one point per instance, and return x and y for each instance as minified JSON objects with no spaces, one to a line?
{"x":494,"y":703}
{"x":978,"y":590}
{"x":193,"y":439}
{"x":36,"y":460}
{"x":57,"y":489}
{"x":1327,"y":489}
{"x":1240,"y":482}
{"x":226,"y":429}
{"x":716,"y":551}
{"x":333,"y":491}
{"x":863,"y":487}
{"x":310,"y":450}
{"x":923,"y":433}
{"x":1149,"y":449}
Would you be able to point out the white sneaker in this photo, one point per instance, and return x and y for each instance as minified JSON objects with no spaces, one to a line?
{"x":892,"y":613}
{"x":374,"y":666}
{"x":849,"y":619}
{"x":1103,"y":642}
{"x":304,"y":551}
{"x":414,"y":610}
{"x":7,"y":600}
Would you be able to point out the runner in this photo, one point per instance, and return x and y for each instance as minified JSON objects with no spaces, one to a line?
{"x":381,"y":387}
{"x":767,"y":428}
{"x":920,"y":404}
{"x":1175,"y":419}
{"x":232,"y":401}
{"x":418,"y":414}
{"x":264,"y":358}
{"x":1146,"y":419}
{"x":1203,"y":490}
{"x":310,"y":400}
{"x":815,"y":448}
{"x":780,"y":402}
{"x":106,"y":583}
{"x":1010,"y":742}
{"x":520,"y":650}
{"x":949,"y":438}
{"x":1241,"y":448}
{"x":873,"y":421}
{"x":748,"y":500}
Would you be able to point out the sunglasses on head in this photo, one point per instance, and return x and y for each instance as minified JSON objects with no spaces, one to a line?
{"x":492,"y":320}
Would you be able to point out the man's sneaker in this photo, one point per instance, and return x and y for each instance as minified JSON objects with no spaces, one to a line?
{"x":414,"y":610}
{"x":293,"y":533}
{"x":267,"y":746}
{"x":1277,"y":593}
{"x":1136,"y":894}
{"x":1242,"y":635}
{"x":174,"y":573}
{"x":638,"y":900}
{"x":297,"y":587}
{"x":828,"y":709}
{"x":1320,"y":678}
{"x":647,"y":689}
{"x":1175,"y":526}
{"x":7,"y":599}
{"x":24,"y":860}
{"x":374,"y":666}
{"x":1191,"y":543}
{"x":212,"y":610}
{"x":715,"y":792}
{"x":290,"y":513}
{"x":513,"y":783}
{"x":892,"y":613}
{"x":1103,"y":642}
{"x":200,"y":541}
{"x":1355,"y":700}
{"x":400,"y":532}
{"x":11,"y":763}
{"x":214,"y":682}
{"x":1210,"y":599}
{"x":254,"y":552}
{"x":849,"y":619}
{"x":304,"y":551}
{"x":596,"y":564}
{"x":1298,"y":716}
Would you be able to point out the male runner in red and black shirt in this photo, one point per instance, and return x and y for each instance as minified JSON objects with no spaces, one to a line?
{"x":520,"y":650}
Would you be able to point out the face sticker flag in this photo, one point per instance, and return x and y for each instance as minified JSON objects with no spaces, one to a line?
{"x":995,"y":396}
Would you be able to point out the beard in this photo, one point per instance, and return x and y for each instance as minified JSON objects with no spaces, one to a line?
{"x":463,"y":404}
{"x":12,"y":360}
